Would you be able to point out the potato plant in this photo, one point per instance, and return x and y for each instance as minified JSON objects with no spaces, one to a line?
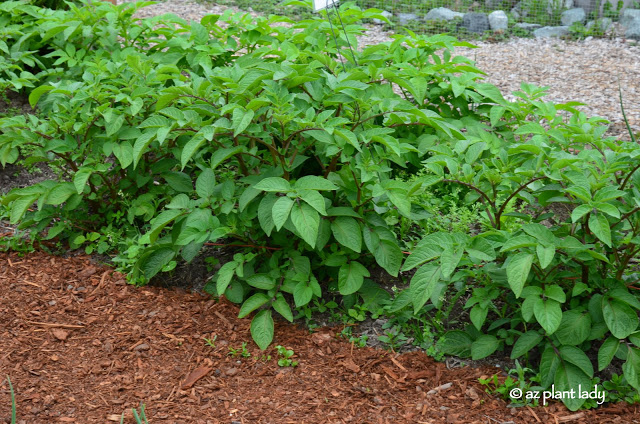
{"x":276,"y":142}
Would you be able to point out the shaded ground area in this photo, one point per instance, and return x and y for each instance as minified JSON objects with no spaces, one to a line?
{"x":82,"y":346}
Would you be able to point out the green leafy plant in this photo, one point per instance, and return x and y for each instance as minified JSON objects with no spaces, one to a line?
{"x":13,"y":402}
{"x":211,"y":342}
{"x":140,"y":417}
{"x":285,"y":357}
{"x":243,"y":351}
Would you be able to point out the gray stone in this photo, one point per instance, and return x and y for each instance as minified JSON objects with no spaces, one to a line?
{"x":517,"y":11}
{"x":475,"y":22}
{"x":442,"y":14}
{"x":633,"y":29}
{"x":603,"y":23}
{"x":571,"y":16}
{"x":493,"y":4}
{"x":549,"y":31}
{"x":592,"y":5}
{"x":405,"y":18}
{"x":628,"y":16}
{"x":528,"y":26}
{"x":384,"y":13}
{"x":498,"y":20}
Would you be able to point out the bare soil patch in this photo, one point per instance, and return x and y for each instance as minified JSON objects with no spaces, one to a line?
{"x":82,"y":346}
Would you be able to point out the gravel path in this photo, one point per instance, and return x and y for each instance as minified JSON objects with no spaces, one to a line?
{"x":586,"y":71}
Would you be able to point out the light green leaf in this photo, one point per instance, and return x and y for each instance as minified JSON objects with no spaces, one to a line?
{"x":607,"y":351}
{"x":261,"y":281}
{"x":525,"y":343}
{"x":206,"y":182}
{"x":575,"y":328}
{"x":262,"y":329}
{"x":350,"y":277}
{"x":347,"y":232}
{"x":599,"y":225}
{"x":81,"y":177}
{"x":422,"y":284}
{"x":484,"y":346}
{"x":312,"y":182}
{"x":241,"y":120}
{"x":281,"y":210}
{"x":282,"y":307}
{"x":621,"y":319}
{"x":548,"y":314}
{"x":191,"y":148}
{"x":225,"y":274}
{"x":152,"y":263}
{"x":518,"y":268}
{"x":253,"y":303}
{"x":314,"y":199}
{"x":306,"y":221}
{"x":273,"y":184}
{"x":389,"y":256}
{"x":265,"y":214}
{"x":60,"y":193}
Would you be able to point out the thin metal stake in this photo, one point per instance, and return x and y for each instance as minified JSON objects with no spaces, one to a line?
{"x":335,"y":39}
{"x":345,"y":33}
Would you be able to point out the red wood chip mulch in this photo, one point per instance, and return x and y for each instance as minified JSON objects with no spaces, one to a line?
{"x":82,"y":346}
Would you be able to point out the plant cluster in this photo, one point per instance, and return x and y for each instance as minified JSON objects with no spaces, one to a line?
{"x":307,"y":155}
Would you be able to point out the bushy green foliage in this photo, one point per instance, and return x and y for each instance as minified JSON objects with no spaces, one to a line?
{"x":307,"y":158}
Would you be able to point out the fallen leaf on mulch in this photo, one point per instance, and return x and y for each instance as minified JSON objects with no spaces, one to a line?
{"x":60,"y":334}
{"x":350,"y":365}
{"x":195,"y":375}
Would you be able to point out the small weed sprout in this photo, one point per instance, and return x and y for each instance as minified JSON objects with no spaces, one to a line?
{"x":285,"y":357}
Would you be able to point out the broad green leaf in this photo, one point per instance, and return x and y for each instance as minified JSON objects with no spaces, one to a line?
{"x":314,"y":199}
{"x":252,"y":303}
{"x":350,"y":277}
{"x":241,"y":120}
{"x":578,"y":358}
{"x":389,"y":256}
{"x":631,"y":368}
{"x":548,"y":314}
{"x":575,"y":328}
{"x":179,"y":181}
{"x":545,"y":254}
{"x":220,"y":155}
{"x":306,"y":221}
{"x":281,"y":210}
{"x":153,"y":262}
{"x":225,"y":274}
{"x":569,"y":377}
{"x":607,"y":351}
{"x":302,"y":294}
{"x":580,"y":211}
{"x":478,"y":315}
{"x":456,"y":343}
{"x":60,"y":193}
{"x":484,"y":346}
{"x":450,"y":259}
{"x":160,"y":221}
{"x":599,"y":225}
{"x":265,"y":214}
{"x":621,"y":319}
{"x":37,"y":93}
{"x":81,"y":177}
{"x":262,"y":329}
{"x":422,"y":284}
{"x":401,"y":201}
{"x":312,"y":182}
{"x":518,"y":268}
{"x":347,"y":232}
{"x":525,"y":343}
{"x":191,"y":148}
{"x":206,"y":182}
{"x":261,"y":281}
{"x":274,"y":184}
{"x":282,"y":307}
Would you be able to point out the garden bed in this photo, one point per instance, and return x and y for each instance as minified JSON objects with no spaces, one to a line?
{"x":80,"y":345}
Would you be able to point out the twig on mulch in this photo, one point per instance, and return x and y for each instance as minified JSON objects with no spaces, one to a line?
{"x":55,"y":325}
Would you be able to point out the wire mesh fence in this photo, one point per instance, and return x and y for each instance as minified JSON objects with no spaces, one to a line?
{"x":517,"y":17}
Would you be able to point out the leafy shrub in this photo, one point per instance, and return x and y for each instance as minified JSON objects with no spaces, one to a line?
{"x":276,"y":142}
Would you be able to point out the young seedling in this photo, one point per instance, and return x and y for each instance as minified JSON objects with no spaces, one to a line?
{"x":13,"y":402}
{"x":210,"y":342}
{"x":240,"y":352}
{"x":285,"y":355}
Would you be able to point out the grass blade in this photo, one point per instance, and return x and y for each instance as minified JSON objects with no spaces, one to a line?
{"x":624,"y":115}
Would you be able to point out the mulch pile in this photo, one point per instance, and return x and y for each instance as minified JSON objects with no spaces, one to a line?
{"x":82,"y":346}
